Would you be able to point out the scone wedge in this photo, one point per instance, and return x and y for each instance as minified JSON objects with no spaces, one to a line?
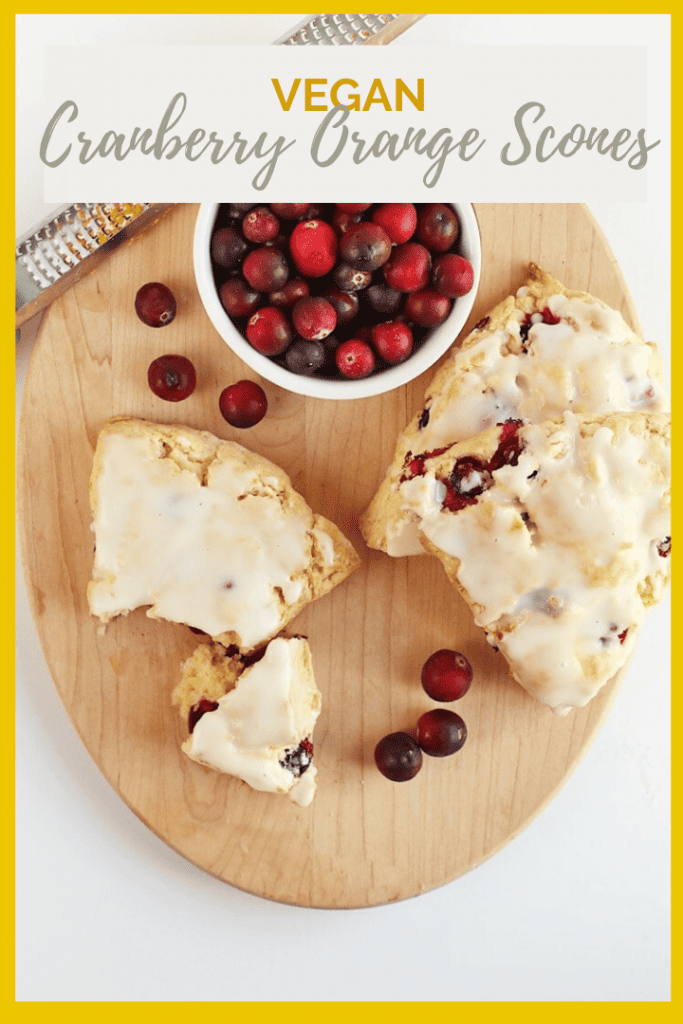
{"x":558,"y":537}
{"x":203,"y":532}
{"x":539,"y":353}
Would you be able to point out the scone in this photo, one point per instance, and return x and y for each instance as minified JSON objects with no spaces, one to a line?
{"x":539,"y":353}
{"x":253,"y":719}
{"x":558,"y":537}
{"x":205,"y":533}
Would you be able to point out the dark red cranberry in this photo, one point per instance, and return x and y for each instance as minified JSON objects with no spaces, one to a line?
{"x":314,"y":317}
{"x":470,"y":477}
{"x":198,"y":710}
{"x":343,"y":221}
{"x":243,"y":404}
{"x":260,"y":225}
{"x":238,"y":298}
{"x":172,"y":378}
{"x":398,"y":757}
{"x":427,"y":308}
{"x":236,"y":211}
{"x":441,"y":732}
{"x":453,"y":275}
{"x":305,"y":356}
{"x":313,"y":246}
{"x":350,"y":279}
{"x":438,"y":227}
{"x":664,"y":547}
{"x":290,"y":211}
{"x":354,"y":358}
{"x":155,"y":304}
{"x":265,"y":269}
{"x":399,"y":220}
{"x":509,"y":447}
{"x":408,"y":267}
{"x":297,"y":760}
{"x":393,"y":341}
{"x":365,"y":246}
{"x":227,"y":247}
{"x":345,"y":304}
{"x":353,"y":207}
{"x":268,"y":331}
{"x":295,"y":289}
{"x":384,"y":299}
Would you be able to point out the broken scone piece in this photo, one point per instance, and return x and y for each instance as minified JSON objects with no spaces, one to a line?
{"x":541,"y":352}
{"x":253,"y":719}
{"x":205,"y":533}
{"x":558,"y":537}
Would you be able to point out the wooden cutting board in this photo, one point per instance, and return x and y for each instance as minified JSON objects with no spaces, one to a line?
{"x":364,"y":840}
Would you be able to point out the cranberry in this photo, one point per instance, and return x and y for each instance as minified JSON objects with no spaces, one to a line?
{"x":353,"y":207}
{"x":348,"y":279}
{"x":260,"y":225}
{"x":305,"y":356}
{"x":345,"y":304}
{"x":238,"y":298}
{"x":438,"y":227}
{"x":384,"y":299}
{"x":172,"y":378}
{"x":399,"y":220}
{"x":198,"y":710}
{"x":314,"y":317}
{"x":453,"y":275}
{"x":446,"y":675}
{"x":155,"y":304}
{"x":393,"y":341}
{"x":365,"y":246}
{"x":427,"y":308}
{"x":268,"y":331}
{"x":408,"y":267}
{"x":343,"y":221}
{"x":398,"y":757}
{"x":227,"y":247}
{"x":237,"y":210}
{"x":441,"y":732}
{"x":243,"y":404}
{"x":354,"y":358}
{"x":313,"y":245}
{"x":266,"y":270}
{"x":290,"y":211}
{"x":469,"y":477}
{"x":295,"y":289}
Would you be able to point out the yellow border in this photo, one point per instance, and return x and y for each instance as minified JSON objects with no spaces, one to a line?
{"x":309,"y":1011}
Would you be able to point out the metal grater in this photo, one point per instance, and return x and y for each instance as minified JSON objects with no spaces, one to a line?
{"x":73,"y":241}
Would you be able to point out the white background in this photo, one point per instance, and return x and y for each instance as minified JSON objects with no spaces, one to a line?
{"x":576,"y":908}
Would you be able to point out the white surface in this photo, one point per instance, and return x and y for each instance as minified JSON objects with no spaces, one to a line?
{"x":576,"y":908}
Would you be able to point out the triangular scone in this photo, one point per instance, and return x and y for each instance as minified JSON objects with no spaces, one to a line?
{"x":205,"y":533}
{"x":253,"y":719}
{"x":558,"y":537}
{"x":539,"y":353}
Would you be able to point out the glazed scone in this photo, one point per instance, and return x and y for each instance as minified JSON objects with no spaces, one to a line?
{"x":205,"y":533}
{"x":254,"y":719}
{"x":539,"y":353}
{"x":558,"y":537}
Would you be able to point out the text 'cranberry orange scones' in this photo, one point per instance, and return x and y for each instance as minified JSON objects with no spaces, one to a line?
{"x":253,"y":718}
{"x":558,"y":537}
{"x":205,"y":533}
{"x":539,"y":353}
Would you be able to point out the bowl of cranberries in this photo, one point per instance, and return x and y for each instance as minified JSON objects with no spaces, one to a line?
{"x":338,"y":300}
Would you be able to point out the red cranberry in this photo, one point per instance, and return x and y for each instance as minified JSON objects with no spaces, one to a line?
{"x":238,"y":298}
{"x":305,"y":356}
{"x":441,"y":732}
{"x":198,"y":710}
{"x":427,"y":308}
{"x":453,"y":275}
{"x":295,"y":289}
{"x":172,"y":378}
{"x":227,"y":247}
{"x":268,"y":331}
{"x":313,"y":245}
{"x":354,"y":207}
{"x":438,"y":227}
{"x":408,"y":267}
{"x":290,"y":211}
{"x":243,"y":404}
{"x":155,"y":304}
{"x":365,"y":246}
{"x":393,"y":341}
{"x":399,"y":220}
{"x":266,"y":270}
{"x":349,"y":279}
{"x":354,"y":358}
{"x":260,"y":225}
{"x":314,"y":317}
{"x":345,"y":304}
{"x":446,"y":675}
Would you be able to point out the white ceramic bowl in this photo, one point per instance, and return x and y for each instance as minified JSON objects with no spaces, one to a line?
{"x":425,"y":356}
